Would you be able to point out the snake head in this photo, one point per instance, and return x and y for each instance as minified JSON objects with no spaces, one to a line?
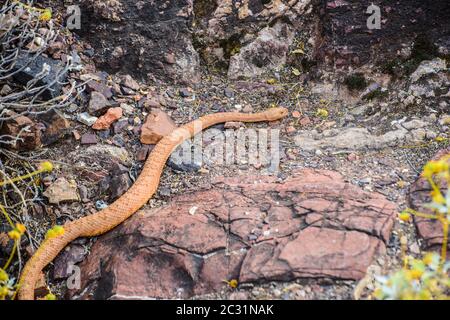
{"x":276,"y":113}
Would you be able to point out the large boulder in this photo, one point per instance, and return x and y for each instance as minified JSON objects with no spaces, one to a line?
{"x":249,"y":37}
{"x":253,"y":229}
{"x":267,"y":52}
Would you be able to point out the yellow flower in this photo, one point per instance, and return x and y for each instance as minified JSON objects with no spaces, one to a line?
{"x":404,"y":216}
{"x":425,"y":295}
{"x":428,"y":258}
{"x":50,"y":234}
{"x":21,"y":228}
{"x":46,"y":15}
{"x":4,"y":291}
{"x":46,"y":166}
{"x":378,"y":293}
{"x":416,"y":274}
{"x":14,"y":234}
{"x":50,"y":296}
{"x":3,"y":276}
{"x":322,"y":113}
{"x":433,"y":167}
{"x":437,"y":197}
{"x":233,"y":283}
{"x":271,"y":81}
{"x":55,"y":232}
{"x":408,"y":296}
{"x":59,"y":230}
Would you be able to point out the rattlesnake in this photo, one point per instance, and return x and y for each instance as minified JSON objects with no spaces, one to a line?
{"x":136,"y":197}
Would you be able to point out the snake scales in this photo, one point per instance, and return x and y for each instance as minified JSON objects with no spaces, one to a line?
{"x":136,"y":197}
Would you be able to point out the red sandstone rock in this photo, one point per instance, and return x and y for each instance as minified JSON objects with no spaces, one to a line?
{"x":22,"y":132}
{"x":157,"y":125}
{"x":315,"y":252}
{"x":419,"y":196}
{"x":312,"y":224}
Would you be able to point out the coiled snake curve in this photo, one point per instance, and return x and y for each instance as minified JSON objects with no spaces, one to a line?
{"x":136,"y":197}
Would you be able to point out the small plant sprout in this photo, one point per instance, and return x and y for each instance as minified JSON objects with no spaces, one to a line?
{"x":44,"y":167}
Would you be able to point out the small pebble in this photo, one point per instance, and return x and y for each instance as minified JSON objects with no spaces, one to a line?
{"x":100,"y":205}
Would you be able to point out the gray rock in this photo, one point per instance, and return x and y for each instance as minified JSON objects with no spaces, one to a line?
{"x":430,"y":79}
{"x":107,"y":151}
{"x":62,"y":190}
{"x":444,"y":119}
{"x":414,"y":124}
{"x":89,"y":138}
{"x":266,"y":53}
{"x":98,"y":103}
{"x":185,"y":93}
{"x":127,"y":108}
{"x":428,"y":67}
{"x":129,"y":82}
{"x":431,"y":135}
{"x":100,"y":205}
{"x":86,"y":119}
{"x":31,"y":66}
{"x":99,"y":87}
{"x":67,"y":259}
{"x":360,"y":110}
{"x":119,"y":185}
{"x":354,"y":139}
{"x":84,"y":193}
{"x":417,"y":135}
{"x":120,"y":125}
{"x":372,"y":90}
{"x":228,"y":92}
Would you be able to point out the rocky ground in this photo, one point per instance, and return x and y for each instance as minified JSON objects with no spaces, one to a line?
{"x":312,"y":227}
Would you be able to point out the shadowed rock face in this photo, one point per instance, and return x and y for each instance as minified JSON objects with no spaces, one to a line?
{"x":163,"y":40}
{"x":347,"y":40}
{"x":311,"y":225}
{"x":149,"y":39}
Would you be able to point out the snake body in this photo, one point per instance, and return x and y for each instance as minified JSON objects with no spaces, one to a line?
{"x":130,"y":202}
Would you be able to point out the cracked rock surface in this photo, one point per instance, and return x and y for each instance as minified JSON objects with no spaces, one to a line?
{"x":253,"y":229}
{"x":419,"y":195}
